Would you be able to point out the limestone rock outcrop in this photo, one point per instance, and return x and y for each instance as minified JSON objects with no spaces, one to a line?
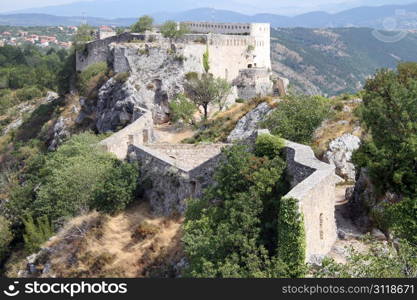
{"x":249,"y":123}
{"x":340,"y":154}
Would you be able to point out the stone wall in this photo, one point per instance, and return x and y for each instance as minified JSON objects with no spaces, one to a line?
{"x":98,"y":51}
{"x":139,"y":132}
{"x":313,"y":184}
{"x":253,"y":82}
{"x":167,"y":181}
{"x":228,"y":54}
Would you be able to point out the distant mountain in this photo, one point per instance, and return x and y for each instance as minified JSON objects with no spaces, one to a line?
{"x":334,"y":61}
{"x":49,"y":20}
{"x":388,"y":16}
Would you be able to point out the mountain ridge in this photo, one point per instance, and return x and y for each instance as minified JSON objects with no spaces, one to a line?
{"x":403,"y":16}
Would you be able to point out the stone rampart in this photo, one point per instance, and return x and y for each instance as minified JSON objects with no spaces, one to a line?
{"x":139,"y":132}
{"x":313,"y":184}
{"x":169,"y":179}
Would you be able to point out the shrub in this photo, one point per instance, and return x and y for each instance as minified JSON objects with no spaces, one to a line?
{"x":268,"y":145}
{"x":117,"y":190}
{"x":122,"y":77}
{"x":240,"y":100}
{"x":182,"y":109}
{"x":6,"y":237}
{"x":67,"y":182}
{"x":144,"y":231}
{"x":36,"y":233}
{"x":28,"y":93}
{"x":95,"y":71}
{"x":378,"y":261}
{"x":191,"y":76}
{"x":297,"y":117}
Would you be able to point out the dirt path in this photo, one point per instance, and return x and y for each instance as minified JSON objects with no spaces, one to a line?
{"x":348,"y":233}
{"x":168,"y":133}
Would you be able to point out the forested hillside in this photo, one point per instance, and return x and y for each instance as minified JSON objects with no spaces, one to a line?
{"x":334,"y":61}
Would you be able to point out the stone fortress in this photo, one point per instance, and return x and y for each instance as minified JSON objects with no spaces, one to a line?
{"x":172,"y":173}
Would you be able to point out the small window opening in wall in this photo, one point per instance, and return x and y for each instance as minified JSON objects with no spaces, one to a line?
{"x":193,"y":187}
{"x":321,"y":227}
{"x":130,"y":142}
{"x":145,"y":136}
{"x":250,"y":66}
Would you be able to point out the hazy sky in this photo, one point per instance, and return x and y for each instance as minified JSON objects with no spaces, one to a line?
{"x":269,"y":5}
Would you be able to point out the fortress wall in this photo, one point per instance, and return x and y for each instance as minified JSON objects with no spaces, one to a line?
{"x":227,"y":55}
{"x":139,"y":132}
{"x":314,"y":185}
{"x":220,"y":28}
{"x":98,"y":51}
{"x":253,"y":82}
{"x":167,"y":185}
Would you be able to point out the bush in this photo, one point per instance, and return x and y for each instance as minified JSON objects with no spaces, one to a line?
{"x":86,"y":80}
{"x":268,"y":145}
{"x":28,"y":93}
{"x":144,"y":231}
{"x":297,"y":117}
{"x":379,"y":261}
{"x":182,"y":109}
{"x":6,"y":237}
{"x":118,"y":188}
{"x":122,"y":77}
{"x":36,"y":233}
{"x":77,"y":177}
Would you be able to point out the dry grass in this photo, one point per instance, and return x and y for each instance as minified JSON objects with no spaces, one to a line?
{"x":341,"y":123}
{"x":131,"y":244}
{"x":219,"y":126}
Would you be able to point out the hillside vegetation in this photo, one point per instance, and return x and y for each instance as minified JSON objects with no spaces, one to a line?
{"x":335,"y":61}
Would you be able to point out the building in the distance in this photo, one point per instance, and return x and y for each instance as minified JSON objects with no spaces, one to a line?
{"x":104,"y":32}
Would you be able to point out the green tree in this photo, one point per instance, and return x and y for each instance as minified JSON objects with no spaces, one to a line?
{"x":206,"y":90}
{"x":143,"y":24}
{"x":182,"y":109}
{"x":389,"y":113}
{"x":173,"y":30}
{"x":118,"y":189}
{"x":36,"y":232}
{"x":297,"y":117}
